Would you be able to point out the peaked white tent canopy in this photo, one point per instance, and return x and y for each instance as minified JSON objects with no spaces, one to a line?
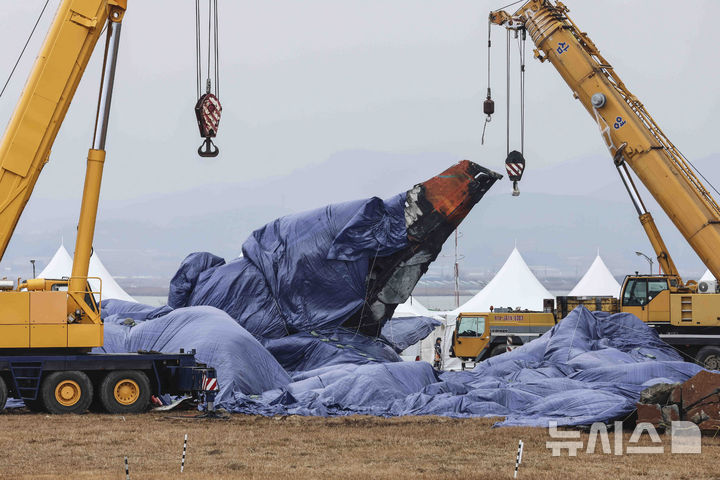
{"x":412,"y":308}
{"x":513,"y":286}
{"x":707,"y":277}
{"x":60,"y":266}
{"x":597,"y":282}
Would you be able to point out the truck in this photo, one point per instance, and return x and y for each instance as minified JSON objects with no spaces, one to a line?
{"x":683,"y":315}
{"x":48,"y":327}
{"x":509,"y":328}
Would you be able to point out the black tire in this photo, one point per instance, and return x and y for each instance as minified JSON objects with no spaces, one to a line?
{"x":3,"y":394}
{"x":66,"y":392}
{"x":498,"y":350}
{"x":132,"y":385}
{"x":709,"y":357}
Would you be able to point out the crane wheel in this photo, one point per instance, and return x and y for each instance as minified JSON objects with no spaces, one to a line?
{"x":498,"y":350}
{"x":66,"y":392}
{"x":3,"y":394}
{"x":709,"y":357}
{"x":126,"y":391}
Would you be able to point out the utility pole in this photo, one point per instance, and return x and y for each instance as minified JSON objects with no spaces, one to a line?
{"x":457,"y":272}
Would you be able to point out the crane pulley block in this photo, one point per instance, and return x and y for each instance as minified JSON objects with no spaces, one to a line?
{"x":207,"y":111}
{"x":515,"y":165}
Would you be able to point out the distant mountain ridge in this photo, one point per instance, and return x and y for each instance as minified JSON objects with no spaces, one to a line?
{"x":564,"y":214}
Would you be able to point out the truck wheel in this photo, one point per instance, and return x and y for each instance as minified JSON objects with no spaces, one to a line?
{"x":498,"y":350}
{"x":66,"y":392}
{"x":125,"y":391}
{"x":709,"y":357}
{"x":3,"y":394}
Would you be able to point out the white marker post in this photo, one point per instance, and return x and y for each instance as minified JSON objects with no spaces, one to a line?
{"x":518,"y":459}
{"x":127,"y":470}
{"x":182,"y":462}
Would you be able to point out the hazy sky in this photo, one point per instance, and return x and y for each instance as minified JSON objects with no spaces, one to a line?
{"x":302,"y":80}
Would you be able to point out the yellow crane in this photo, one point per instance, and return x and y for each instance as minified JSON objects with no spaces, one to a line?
{"x":683,"y":317}
{"x":48,"y":326}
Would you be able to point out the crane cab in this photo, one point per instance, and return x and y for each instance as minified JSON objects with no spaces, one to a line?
{"x":648,"y":296}
{"x":472,"y":336}
{"x":665,"y":299}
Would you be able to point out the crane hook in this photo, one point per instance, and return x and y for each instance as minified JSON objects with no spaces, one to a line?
{"x":207,"y":111}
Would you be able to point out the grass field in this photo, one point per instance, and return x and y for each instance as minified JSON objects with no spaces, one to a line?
{"x":36,"y":446}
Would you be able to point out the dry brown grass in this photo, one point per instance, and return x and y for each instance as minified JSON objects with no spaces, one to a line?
{"x":34,"y":446}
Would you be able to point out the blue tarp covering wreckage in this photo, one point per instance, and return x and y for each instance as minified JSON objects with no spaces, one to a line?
{"x":301,"y":323}
{"x":590,"y":367}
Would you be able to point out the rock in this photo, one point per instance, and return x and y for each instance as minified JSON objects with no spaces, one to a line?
{"x":710,"y":426}
{"x":670,"y":413}
{"x":658,"y":393}
{"x":676,"y":395}
{"x":697,"y":415}
{"x":708,"y":408}
{"x":699,"y":387}
{"x":649,"y":413}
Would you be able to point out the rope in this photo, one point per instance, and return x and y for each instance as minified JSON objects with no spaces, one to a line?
{"x":522,"y":45}
{"x":217,"y":67}
{"x":698,"y":172}
{"x":367,"y":284}
{"x":507,"y":99}
{"x":209,"y":43}
{"x":213,"y":64}
{"x":198,"y":59}
{"x":488,"y":54}
{"x":24,"y":47}
{"x":508,"y":5}
{"x":487,"y":118}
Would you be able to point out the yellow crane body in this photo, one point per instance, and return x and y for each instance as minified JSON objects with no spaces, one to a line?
{"x":48,"y":327}
{"x":623,"y":120}
{"x":43,"y":313}
{"x":636,"y":141}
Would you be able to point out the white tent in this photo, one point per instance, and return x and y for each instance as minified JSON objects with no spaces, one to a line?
{"x":707,"y":277}
{"x":412,"y":308}
{"x":597,"y":282}
{"x":513,"y":286}
{"x":110,"y":288}
{"x":60,"y":266}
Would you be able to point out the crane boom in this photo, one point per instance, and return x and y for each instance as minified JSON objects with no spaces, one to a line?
{"x":35,"y":122}
{"x":25,"y":149}
{"x":629,"y":131}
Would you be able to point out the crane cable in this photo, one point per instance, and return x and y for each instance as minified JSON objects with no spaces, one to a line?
{"x":208,"y":108}
{"x":212,"y":49}
{"x":521,"y":46}
{"x":489,"y":105}
{"x":24,"y":47}
{"x":507,"y":96}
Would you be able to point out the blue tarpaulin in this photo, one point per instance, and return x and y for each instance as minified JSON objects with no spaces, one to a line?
{"x":401,"y":332}
{"x":300,"y":323}
{"x":242,"y":363}
{"x":590,"y":367}
{"x":299,"y":273}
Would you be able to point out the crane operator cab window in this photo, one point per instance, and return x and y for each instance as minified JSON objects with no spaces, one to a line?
{"x":641,"y":291}
{"x":471,"y":327}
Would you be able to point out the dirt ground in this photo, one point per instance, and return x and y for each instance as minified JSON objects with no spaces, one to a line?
{"x":38,"y":446}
